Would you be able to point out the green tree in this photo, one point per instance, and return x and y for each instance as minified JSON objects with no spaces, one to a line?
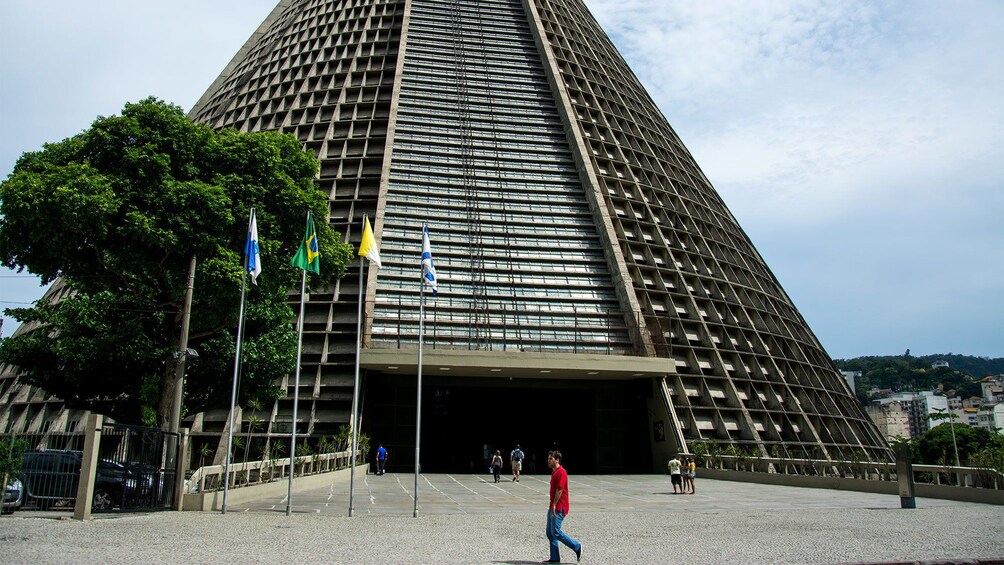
{"x":116,"y":212}
{"x":935,"y":446}
{"x":11,"y":451}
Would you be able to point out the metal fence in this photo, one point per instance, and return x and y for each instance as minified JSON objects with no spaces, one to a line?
{"x":135,"y":470}
{"x":980,"y":477}
{"x":249,"y":473}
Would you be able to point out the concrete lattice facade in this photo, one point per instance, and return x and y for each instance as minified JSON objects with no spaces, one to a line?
{"x":575,"y":236}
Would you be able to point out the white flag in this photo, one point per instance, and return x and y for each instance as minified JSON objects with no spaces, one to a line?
{"x":428,"y":269}
{"x":251,"y":250}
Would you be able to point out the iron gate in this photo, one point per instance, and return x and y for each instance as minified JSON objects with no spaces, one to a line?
{"x":136,"y":470}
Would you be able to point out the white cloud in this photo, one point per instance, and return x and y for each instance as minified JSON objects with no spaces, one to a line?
{"x":777,"y":96}
{"x":66,"y":62}
{"x":859,"y":144}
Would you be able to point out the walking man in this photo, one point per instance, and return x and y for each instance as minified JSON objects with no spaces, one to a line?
{"x":516,"y":460}
{"x":557,"y":509}
{"x":674,"y":473}
{"x":381,"y":459}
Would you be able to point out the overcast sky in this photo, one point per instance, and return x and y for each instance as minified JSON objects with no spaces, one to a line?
{"x":860,"y":145}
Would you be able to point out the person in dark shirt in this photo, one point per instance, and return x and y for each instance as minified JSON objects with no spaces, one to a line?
{"x":497,"y":465}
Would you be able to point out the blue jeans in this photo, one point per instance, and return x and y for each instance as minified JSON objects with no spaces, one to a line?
{"x":554,"y":534}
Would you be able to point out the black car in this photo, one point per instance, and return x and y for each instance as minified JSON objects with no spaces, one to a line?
{"x":51,"y":478}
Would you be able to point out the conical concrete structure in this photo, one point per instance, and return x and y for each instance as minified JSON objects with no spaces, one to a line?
{"x":595,"y":292}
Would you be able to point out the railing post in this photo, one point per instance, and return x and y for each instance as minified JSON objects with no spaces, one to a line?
{"x":179,"y":468}
{"x":904,"y":475}
{"x":88,"y":467}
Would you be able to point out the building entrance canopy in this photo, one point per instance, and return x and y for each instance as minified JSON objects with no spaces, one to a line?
{"x":468,"y":363}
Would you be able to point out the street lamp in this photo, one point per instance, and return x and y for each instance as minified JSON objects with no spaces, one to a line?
{"x":186,"y":353}
{"x":950,"y":416}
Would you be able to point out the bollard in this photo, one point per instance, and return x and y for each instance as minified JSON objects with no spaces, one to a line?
{"x":88,"y":467}
{"x":904,"y":475}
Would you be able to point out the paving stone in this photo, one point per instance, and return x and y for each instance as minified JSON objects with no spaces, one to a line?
{"x":469,"y":519}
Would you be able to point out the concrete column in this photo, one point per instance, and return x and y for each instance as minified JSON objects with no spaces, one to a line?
{"x":904,"y":474}
{"x":88,"y":467}
{"x":179,"y":477}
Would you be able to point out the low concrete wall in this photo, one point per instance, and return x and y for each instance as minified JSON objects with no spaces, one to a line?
{"x":963,"y":494}
{"x":214,"y":500}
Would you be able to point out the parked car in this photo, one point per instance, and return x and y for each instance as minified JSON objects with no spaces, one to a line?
{"x":13,"y":496}
{"x":51,"y":477}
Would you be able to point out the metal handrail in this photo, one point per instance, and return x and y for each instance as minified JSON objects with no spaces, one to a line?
{"x":866,"y":470}
{"x":210,"y":478}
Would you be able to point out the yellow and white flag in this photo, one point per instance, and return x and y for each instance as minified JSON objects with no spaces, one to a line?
{"x":368,"y":247}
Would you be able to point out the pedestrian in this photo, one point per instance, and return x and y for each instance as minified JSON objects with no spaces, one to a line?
{"x":516,"y":460}
{"x":674,"y":474}
{"x":557,"y":509}
{"x":381,"y":459}
{"x":693,"y":474}
{"x":497,"y":465}
{"x":685,"y":474}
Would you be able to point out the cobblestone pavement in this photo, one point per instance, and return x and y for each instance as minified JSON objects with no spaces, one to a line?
{"x":470,"y":519}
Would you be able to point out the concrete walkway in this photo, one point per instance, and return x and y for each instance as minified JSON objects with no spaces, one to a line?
{"x":470,"y":519}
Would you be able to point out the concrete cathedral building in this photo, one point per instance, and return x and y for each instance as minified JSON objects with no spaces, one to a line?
{"x":595,"y":292}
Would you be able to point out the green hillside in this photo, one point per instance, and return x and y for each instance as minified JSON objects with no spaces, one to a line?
{"x":905,"y":373}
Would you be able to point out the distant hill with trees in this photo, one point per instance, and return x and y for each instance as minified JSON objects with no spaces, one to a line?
{"x":905,"y":373}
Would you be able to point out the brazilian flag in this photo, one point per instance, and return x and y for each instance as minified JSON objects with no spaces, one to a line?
{"x":308,"y":257}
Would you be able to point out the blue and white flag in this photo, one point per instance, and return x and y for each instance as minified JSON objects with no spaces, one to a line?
{"x":251,"y":250}
{"x":428,"y":269}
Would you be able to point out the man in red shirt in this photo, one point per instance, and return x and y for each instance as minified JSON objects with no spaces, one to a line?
{"x":558,"y":509}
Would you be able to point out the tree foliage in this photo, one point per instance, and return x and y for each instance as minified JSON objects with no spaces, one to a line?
{"x":11,"y":452}
{"x":117,"y":212}
{"x":935,"y":447}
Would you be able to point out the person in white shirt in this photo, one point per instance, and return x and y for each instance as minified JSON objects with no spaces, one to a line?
{"x":674,"y":473}
{"x":516,"y":460}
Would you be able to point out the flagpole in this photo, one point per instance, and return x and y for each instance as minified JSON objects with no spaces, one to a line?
{"x":237,"y":365}
{"x":354,"y":420}
{"x":296,"y":392}
{"x":296,"y":400}
{"x":418,"y":402}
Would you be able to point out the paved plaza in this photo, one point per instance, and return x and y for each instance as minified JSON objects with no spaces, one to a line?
{"x":470,"y":519}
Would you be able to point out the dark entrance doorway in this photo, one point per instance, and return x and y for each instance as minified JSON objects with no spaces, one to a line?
{"x":600,"y":426}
